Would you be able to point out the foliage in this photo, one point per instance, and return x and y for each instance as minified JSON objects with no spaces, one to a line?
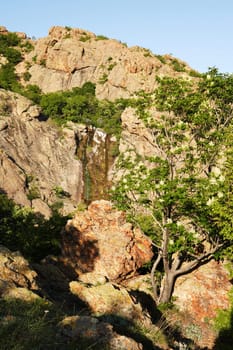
{"x":7,"y":44}
{"x":81,"y":106}
{"x":22,"y":229}
{"x":85,"y":37}
{"x":30,"y":325}
{"x":224,"y":325}
{"x":183,"y":186}
{"x":26,"y":76}
{"x":8,"y":77}
{"x":101,"y":37}
{"x":178,"y":66}
{"x":161,"y":58}
{"x":27,"y":46}
{"x":103,"y":79}
{"x":32,"y":92}
{"x":60,"y":192}
{"x":223,"y":320}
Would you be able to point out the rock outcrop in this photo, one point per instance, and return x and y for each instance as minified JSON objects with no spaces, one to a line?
{"x":38,"y":163}
{"x":17,"y":279}
{"x":69,"y":57}
{"x":107,"y":299}
{"x":99,"y":245}
{"x":90,"y":328}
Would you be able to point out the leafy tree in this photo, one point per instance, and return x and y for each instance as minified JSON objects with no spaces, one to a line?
{"x":184,"y":191}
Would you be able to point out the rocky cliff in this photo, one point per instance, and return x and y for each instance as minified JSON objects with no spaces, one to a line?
{"x":48,"y":165}
{"x":38,"y":164}
{"x":68,"y":57}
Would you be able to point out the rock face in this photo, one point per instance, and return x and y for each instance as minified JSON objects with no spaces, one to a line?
{"x":17,"y":279}
{"x":204,"y":291}
{"x":38,"y":163}
{"x":68,"y":57}
{"x":200,"y":294}
{"x":100,"y":245}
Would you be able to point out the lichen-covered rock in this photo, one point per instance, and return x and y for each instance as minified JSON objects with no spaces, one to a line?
{"x":204,"y":291}
{"x":100,"y":245}
{"x":93,"y":331}
{"x":17,"y":279}
{"x":199,"y":295}
{"x":107,"y":299}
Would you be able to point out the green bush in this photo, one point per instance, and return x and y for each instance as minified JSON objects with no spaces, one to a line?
{"x":102,"y":37}
{"x":8,"y":78}
{"x":178,"y":66}
{"x":161,"y":58}
{"x":7,"y":44}
{"x":30,"y":233}
{"x":32,"y":92}
{"x":81,"y":106}
{"x":26,"y":76}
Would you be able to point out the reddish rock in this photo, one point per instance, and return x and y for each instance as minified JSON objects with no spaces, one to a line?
{"x":200,"y":294}
{"x":100,"y":245}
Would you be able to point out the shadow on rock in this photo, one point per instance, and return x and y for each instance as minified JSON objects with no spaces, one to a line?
{"x":129,"y":329}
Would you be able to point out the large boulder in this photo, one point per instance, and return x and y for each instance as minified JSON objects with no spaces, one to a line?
{"x":100,"y":245}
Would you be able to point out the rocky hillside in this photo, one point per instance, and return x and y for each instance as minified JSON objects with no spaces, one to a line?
{"x":68,"y":57}
{"x":62,"y":165}
{"x":59,"y":155}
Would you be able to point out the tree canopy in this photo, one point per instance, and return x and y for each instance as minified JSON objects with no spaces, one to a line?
{"x":182,"y":194}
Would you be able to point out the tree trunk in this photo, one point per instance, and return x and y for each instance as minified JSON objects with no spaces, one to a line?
{"x":167,"y":287}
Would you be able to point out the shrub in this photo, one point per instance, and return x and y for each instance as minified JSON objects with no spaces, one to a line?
{"x":103,"y":79}
{"x":8,"y":78}
{"x":161,"y":58}
{"x":81,"y":106}
{"x":101,"y":37}
{"x":26,"y":76}
{"x":178,"y":66}
{"x":22,"y":229}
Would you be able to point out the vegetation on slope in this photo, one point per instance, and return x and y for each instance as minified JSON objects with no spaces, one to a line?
{"x":183,"y":200}
{"x":81,"y":106}
{"x":30,"y":233}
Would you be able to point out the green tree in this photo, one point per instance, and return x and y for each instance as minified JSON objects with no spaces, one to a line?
{"x":182,"y":190}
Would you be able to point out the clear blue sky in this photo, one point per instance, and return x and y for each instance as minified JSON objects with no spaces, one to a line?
{"x":199,"y":32}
